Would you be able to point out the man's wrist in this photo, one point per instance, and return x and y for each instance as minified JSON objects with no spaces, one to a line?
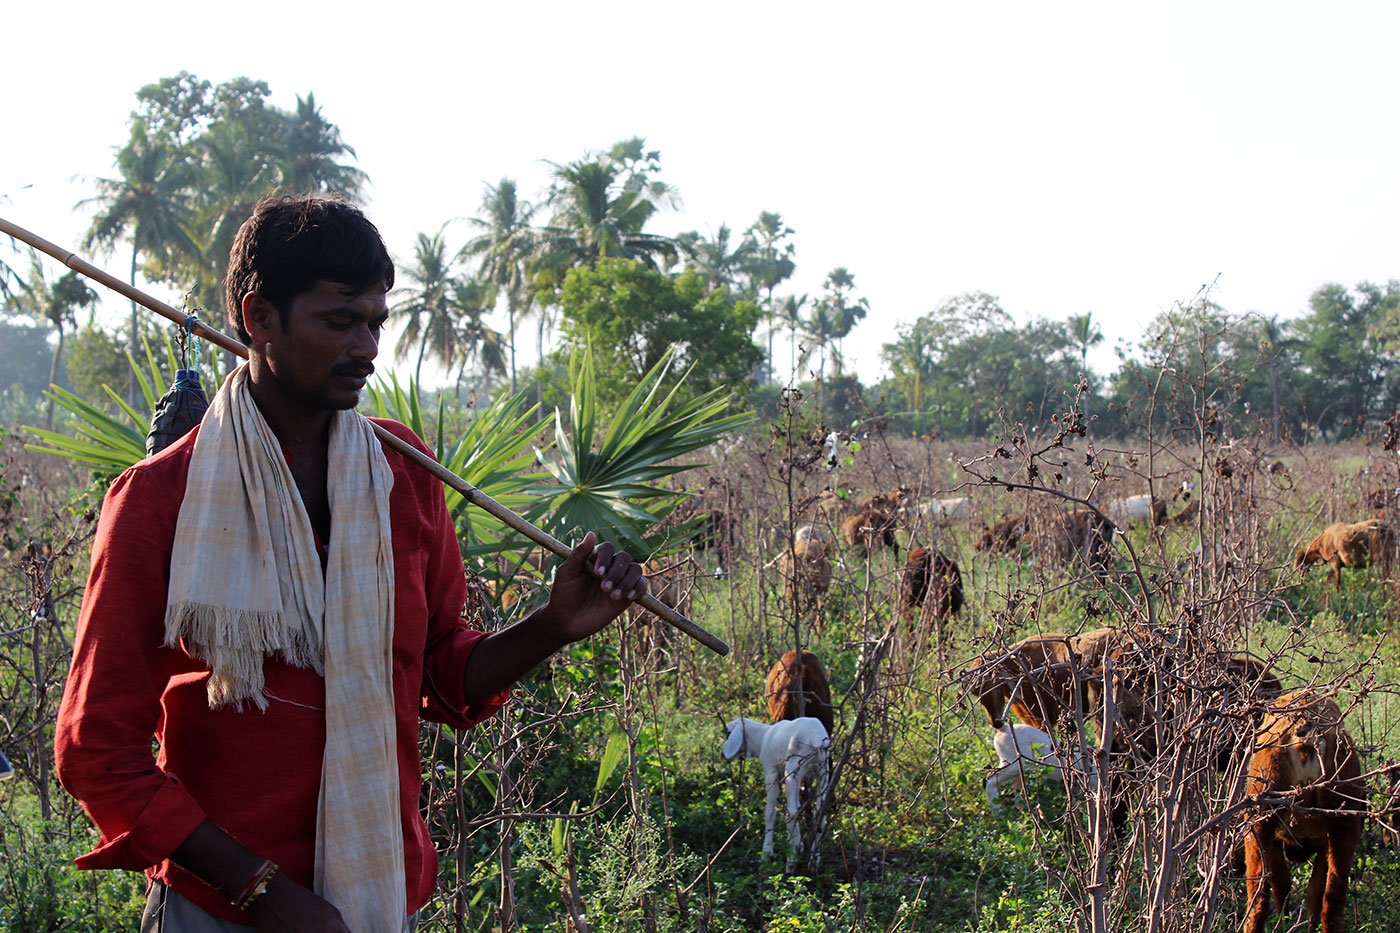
{"x":547,"y":624}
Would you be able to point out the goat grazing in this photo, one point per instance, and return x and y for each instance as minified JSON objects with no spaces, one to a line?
{"x":790,"y":751}
{"x":940,"y":512}
{"x":1035,"y":677}
{"x":797,"y":688}
{"x":1003,"y":536}
{"x":1345,"y":545}
{"x":933,"y":581}
{"x":1016,"y":746}
{"x":870,"y":528}
{"x":806,"y":567}
{"x":1302,"y":748}
{"x":1137,"y":510}
{"x":1082,"y":534}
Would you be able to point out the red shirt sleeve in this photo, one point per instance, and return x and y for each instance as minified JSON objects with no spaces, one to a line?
{"x":112,"y":702}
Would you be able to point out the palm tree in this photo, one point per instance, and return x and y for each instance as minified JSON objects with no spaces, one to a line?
{"x":503,"y":250}
{"x":720,"y":265}
{"x":149,"y":203}
{"x":600,"y":210}
{"x":474,"y":299}
{"x":769,"y":264}
{"x":1086,"y":334}
{"x":233,"y":174}
{"x":311,"y":148}
{"x":430,"y":309}
{"x":57,"y":304}
{"x":1273,"y":343}
{"x":836,"y":314}
{"x":788,"y":317}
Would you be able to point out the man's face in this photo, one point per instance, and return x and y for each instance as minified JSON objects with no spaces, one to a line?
{"x":325,"y":352}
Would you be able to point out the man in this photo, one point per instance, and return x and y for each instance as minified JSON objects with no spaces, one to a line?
{"x":276,"y":599}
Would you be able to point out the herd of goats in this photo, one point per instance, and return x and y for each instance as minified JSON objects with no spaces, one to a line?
{"x":1301,"y":757}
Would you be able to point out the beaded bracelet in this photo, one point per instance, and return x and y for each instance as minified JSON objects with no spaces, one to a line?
{"x":256,"y":886}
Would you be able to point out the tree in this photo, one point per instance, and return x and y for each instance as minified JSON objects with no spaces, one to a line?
{"x":1344,"y":357}
{"x":96,"y":359}
{"x":477,"y":341}
{"x":600,"y":206}
{"x":148,"y":203}
{"x":503,"y":251}
{"x":430,"y":310}
{"x":767,"y":265}
{"x":310,"y":152}
{"x":1086,"y":333}
{"x":714,"y":259}
{"x":630,"y":316}
{"x":787,"y":316}
{"x":833,"y":317}
{"x":58,"y":304}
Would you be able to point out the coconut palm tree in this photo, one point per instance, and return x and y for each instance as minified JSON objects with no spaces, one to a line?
{"x":474,"y":299}
{"x":311,"y":148}
{"x":1086,"y":334}
{"x":503,"y":251}
{"x":148,"y":203}
{"x":788,"y":317}
{"x":430,"y":310}
{"x":599,"y":210}
{"x":720,"y":265}
{"x":835,"y":316}
{"x":767,"y":266}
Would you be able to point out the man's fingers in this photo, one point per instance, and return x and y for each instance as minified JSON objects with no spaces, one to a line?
{"x":579,"y":555}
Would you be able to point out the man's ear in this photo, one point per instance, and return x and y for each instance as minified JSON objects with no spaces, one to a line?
{"x":259,"y":316}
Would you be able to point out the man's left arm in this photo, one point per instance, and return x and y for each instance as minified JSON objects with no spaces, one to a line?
{"x":594,"y":585}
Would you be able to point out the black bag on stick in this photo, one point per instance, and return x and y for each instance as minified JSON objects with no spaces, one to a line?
{"x":179,"y":409}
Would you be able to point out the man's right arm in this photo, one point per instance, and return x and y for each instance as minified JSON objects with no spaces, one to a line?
{"x":112,"y":704}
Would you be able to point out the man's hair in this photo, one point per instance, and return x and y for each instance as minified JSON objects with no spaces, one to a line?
{"x":292,"y":241}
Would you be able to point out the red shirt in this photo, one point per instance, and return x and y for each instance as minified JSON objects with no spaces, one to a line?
{"x":256,"y":774}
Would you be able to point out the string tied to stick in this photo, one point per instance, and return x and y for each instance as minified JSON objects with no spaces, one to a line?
{"x":183,"y":405}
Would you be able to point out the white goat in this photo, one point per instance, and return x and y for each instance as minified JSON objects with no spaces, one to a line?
{"x":1016,"y":745}
{"x":790,"y":751}
{"x":944,"y":511}
{"x":1135,"y":510}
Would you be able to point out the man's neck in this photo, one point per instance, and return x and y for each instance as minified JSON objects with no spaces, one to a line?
{"x":298,"y":427}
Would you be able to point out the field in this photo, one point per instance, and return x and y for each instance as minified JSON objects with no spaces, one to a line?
{"x":599,"y":800}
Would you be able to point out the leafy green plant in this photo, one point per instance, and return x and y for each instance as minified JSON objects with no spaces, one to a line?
{"x":493,"y":454}
{"x":109,"y":442}
{"x":610,"y":472}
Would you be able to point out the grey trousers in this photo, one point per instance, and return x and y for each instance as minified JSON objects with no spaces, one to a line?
{"x":168,"y":912}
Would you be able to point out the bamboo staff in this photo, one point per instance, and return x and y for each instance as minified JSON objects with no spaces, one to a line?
{"x":469,"y":492}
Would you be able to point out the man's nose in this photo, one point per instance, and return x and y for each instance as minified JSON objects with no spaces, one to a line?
{"x":366,"y":344}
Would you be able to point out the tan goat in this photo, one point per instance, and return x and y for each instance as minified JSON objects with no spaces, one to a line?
{"x":1344,"y":544}
{"x":1302,"y":748}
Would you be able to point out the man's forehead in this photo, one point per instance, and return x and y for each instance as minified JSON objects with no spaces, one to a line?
{"x":326,"y":294}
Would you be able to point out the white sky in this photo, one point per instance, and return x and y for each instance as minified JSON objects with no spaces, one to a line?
{"x":1105,"y":157}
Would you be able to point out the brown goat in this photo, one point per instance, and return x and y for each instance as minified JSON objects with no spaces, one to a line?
{"x":1035,"y":677}
{"x":806,"y":567}
{"x":1343,"y":544}
{"x":931,"y":580}
{"x":1083,"y":534}
{"x":1302,"y":747}
{"x":1138,"y":660}
{"x":1004,"y":536}
{"x":799,"y":688}
{"x":870,"y":528}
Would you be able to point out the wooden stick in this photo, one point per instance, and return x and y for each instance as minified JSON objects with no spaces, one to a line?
{"x":469,"y":492}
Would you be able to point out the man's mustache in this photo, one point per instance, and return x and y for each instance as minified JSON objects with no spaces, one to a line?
{"x":354,"y":370}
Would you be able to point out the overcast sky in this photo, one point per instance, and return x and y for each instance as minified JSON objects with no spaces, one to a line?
{"x":1070,"y":157}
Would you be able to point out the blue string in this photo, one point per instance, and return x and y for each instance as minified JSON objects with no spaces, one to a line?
{"x":190,"y":322}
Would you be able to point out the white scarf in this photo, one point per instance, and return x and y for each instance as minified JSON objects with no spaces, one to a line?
{"x":246,"y":583}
